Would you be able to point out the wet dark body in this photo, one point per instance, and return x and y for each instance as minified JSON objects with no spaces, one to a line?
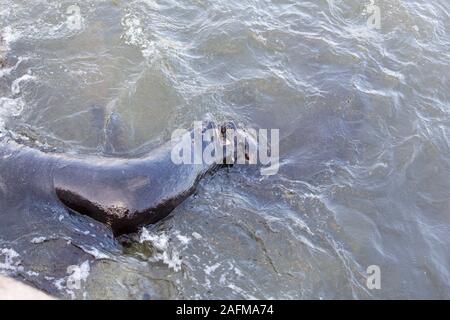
{"x":122,"y":193}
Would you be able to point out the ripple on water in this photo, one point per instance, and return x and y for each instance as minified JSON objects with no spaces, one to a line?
{"x":363,"y":113}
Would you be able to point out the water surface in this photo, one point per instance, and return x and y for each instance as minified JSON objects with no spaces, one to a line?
{"x":364,"y":125}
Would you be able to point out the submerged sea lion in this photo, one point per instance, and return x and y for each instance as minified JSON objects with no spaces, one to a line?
{"x":122,"y":193}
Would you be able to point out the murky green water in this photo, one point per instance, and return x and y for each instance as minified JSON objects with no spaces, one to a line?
{"x":364,"y":124}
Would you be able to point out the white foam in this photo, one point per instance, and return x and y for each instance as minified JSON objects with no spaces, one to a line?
{"x":238,"y":272}
{"x":9,"y":107}
{"x":15,"y":87}
{"x":134,"y":35}
{"x":196,"y":235}
{"x":160,"y":241}
{"x":211,"y":269}
{"x":97,"y":254}
{"x":183,"y":239}
{"x":165,"y":254}
{"x":38,"y":240}
{"x":9,"y":35}
{"x":241,"y":291}
{"x":5,"y":71}
{"x":11,"y":261}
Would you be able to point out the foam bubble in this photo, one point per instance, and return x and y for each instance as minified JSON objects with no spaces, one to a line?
{"x":97,"y":254}
{"x":38,"y":240}
{"x":211,"y":269}
{"x":9,"y":107}
{"x":11,"y":261}
{"x":165,"y":254}
{"x":9,"y":35}
{"x":15,"y":87}
{"x":135,"y":36}
{"x":197,"y":235}
{"x":183,"y":239}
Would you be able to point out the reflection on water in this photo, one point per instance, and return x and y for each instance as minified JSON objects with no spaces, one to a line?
{"x":364,"y":126}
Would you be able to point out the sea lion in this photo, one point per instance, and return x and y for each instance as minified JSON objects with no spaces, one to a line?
{"x":125,"y":194}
